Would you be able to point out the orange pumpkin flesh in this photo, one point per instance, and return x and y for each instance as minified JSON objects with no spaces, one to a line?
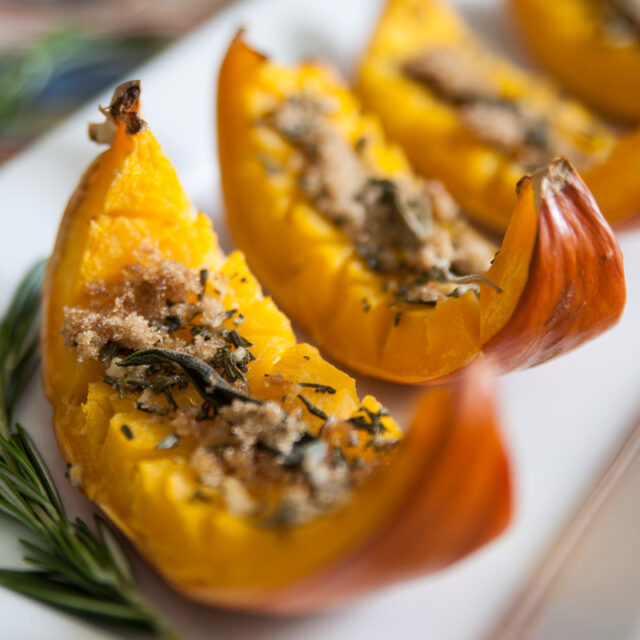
{"x":479,"y":174}
{"x":315,"y":274}
{"x":442,"y":492}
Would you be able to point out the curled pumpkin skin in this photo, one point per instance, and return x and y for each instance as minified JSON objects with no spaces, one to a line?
{"x":240,"y":464}
{"x":349,"y":305}
{"x":474,"y":120}
{"x":599,"y":39}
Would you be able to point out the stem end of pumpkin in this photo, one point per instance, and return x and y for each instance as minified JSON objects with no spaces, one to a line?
{"x":124,"y":110}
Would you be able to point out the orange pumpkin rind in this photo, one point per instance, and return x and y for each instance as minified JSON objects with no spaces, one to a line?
{"x":314,"y":273}
{"x":571,"y":40}
{"x":480,"y":174}
{"x":444,"y":492}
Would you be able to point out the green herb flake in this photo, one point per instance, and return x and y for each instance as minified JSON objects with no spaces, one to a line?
{"x":204,"y":276}
{"x":126,"y":431}
{"x":319,"y":388}
{"x":117,"y":383}
{"x":172,"y":323}
{"x":312,"y":409}
{"x":108,"y":351}
{"x":369,"y":421}
{"x":170,"y":441}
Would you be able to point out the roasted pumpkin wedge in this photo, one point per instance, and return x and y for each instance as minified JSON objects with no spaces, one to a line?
{"x":478,"y":123}
{"x":240,"y":463}
{"x":591,"y":46}
{"x":380,"y":267}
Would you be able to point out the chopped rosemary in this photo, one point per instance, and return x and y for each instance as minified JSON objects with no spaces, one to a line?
{"x":126,"y":430}
{"x":117,"y":383}
{"x":370,"y":421}
{"x":75,"y":568}
{"x":232,"y":367}
{"x":234,"y":338}
{"x":151,"y":408}
{"x":204,"y":276}
{"x":204,"y":378}
{"x":172,"y":323}
{"x":418,"y":301}
{"x":405,"y":228}
{"x":319,"y":388}
{"x":312,"y":409}
{"x":108,"y":351}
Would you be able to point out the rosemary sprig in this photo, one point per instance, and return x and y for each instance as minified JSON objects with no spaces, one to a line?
{"x":74,"y":568}
{"x":206,"y":380}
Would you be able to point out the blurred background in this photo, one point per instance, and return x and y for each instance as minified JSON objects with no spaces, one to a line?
{"x":55,"y":54}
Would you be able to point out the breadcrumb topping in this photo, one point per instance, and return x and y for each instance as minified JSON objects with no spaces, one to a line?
{"x":515,"y":126}
{"x":402,"y":226}
{"x":262,"y":461}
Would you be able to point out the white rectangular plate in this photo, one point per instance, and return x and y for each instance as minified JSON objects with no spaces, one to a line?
{"x":562,"y":421}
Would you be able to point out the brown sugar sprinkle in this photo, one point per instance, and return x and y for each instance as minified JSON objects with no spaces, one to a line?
{"x":258,"y":459}
{"x":402,"y":226}
{"x":149,"y":306}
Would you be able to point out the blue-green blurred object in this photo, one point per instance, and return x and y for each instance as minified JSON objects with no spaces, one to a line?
{"x":47,"y":78}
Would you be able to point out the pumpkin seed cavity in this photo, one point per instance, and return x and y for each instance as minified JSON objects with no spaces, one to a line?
{"x":159,"y":333}
{"x":406,"y":228}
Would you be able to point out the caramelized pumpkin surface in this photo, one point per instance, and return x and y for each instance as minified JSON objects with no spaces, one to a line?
{"x":339,"y":292}
{"x":472,"y":119}
{"x":591,"y":47}
{"x":135,"y":441}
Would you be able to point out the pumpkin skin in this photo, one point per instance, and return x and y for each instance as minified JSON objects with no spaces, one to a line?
{"x":480,"y":175}
{"x":567,"y":35}
{"x":444,"y":492}
{"x":313,"y":271}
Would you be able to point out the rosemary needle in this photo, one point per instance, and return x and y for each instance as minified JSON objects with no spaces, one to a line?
{"x":81,"y":570}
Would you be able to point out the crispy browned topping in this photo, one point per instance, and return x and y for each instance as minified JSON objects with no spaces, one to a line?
{"x":513,"y":126}
{"x":401,"y":226}
{"x":508,"y":129}
{"x":450,"y":76}
{"x":264,"y":462}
